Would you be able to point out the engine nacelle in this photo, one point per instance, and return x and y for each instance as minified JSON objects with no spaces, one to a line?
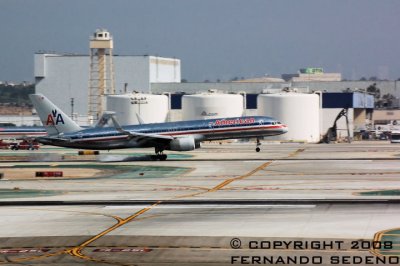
{"x":182,"y":144}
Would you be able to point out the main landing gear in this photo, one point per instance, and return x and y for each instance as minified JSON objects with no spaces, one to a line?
{"x":159,"y":156}
{"x":257,"y":145}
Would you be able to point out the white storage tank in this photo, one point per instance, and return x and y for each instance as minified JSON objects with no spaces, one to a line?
{"x":300,"y":112}
{"x":211,"y":105}
{"x":151,"y":108}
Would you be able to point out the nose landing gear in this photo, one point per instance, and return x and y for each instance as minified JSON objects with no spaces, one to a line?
{"x":258,"y":149}
{"x":160,"y":156}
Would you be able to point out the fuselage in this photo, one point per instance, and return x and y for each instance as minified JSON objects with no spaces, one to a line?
{"x":199,"y":130}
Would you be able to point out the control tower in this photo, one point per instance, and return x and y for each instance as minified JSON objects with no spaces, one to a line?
{"x":101,"y":78}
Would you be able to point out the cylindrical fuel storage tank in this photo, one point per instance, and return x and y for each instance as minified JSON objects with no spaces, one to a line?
{"x":151,"y":108}
{"x":300,"y":112}
{"x":211,"y":105}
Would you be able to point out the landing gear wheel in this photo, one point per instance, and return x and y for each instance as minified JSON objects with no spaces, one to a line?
{"x":257,"y":145}
{"x":159,"y":154}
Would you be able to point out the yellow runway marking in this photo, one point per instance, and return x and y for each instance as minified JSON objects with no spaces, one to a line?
{"x":378,"y":238}
{"x":295,"y":153}
{"x":228,"y":181}
{"x":35,"y":257}
{"x":77,"y":250}
{"x":190,"y":195}
{"x":65,"y":251}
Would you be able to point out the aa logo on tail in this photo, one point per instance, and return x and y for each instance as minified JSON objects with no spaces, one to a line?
{"x":54,"y":118}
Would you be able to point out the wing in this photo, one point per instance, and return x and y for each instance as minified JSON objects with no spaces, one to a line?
{"x":138,"y":137}
{"x":142,"y":137}
{"x":148,"y":137}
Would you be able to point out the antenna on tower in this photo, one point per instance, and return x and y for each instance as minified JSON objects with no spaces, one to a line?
{"x":101,"y":78}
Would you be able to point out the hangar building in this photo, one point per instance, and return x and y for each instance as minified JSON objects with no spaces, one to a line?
{"x":64,"y":76}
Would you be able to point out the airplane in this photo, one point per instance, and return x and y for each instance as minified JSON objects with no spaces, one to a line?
{"x":175,"y":136}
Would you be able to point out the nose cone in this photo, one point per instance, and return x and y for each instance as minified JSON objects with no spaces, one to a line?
{"x":284,"y":129}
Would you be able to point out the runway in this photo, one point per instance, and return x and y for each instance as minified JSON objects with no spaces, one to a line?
{"x":190,"y":210}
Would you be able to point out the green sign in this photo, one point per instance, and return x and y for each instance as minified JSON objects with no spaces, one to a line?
{"x":312,"y":70}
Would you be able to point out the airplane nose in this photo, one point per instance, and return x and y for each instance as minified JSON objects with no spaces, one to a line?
{"x":284,"y":128}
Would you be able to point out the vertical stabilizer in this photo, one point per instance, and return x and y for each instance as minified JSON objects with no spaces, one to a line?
{"x":53,"y":119}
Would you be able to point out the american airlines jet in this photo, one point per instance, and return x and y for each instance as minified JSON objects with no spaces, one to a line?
{"x":175,"y":136}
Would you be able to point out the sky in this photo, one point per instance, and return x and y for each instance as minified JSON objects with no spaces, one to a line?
{"x":214,"y":39}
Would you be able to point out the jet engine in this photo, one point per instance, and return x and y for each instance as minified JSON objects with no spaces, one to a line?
{"x":182,"y":144}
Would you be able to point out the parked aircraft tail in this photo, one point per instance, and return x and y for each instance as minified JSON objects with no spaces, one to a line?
{"x":53,"y":119}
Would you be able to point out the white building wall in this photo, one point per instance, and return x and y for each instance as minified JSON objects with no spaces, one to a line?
{"x":133,"y":70}
{"x":62,"y":77}
{"x":65,"y":77}
{"x":21,"y":120}
{"x":165,"y":70}
{"x":39,"y":65}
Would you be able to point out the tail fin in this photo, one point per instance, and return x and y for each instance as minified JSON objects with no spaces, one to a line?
{"x":53,"y":119}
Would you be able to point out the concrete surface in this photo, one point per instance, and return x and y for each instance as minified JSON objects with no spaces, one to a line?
{"x":198,"y":234}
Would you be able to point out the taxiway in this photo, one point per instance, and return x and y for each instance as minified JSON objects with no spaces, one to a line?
{"x":188,"y":210}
